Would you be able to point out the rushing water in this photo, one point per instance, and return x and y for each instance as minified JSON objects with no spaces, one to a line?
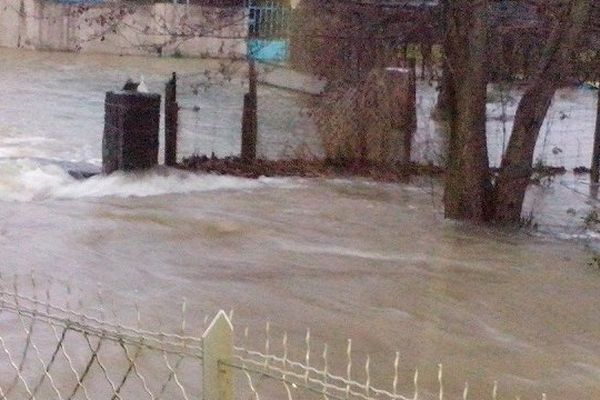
{"x":375,"y":262}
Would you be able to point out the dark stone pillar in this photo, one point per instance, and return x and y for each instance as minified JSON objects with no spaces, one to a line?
{"x":131,"y":128}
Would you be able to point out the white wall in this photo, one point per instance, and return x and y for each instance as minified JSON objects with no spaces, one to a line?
{"x":124,"y":28}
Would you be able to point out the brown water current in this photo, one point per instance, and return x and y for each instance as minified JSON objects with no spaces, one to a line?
{"x":353,"y":259}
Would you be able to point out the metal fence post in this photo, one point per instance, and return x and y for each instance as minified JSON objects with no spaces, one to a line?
{"x":217,"y":345}
{"x":411,"y":110}
{"x":171,"y":121}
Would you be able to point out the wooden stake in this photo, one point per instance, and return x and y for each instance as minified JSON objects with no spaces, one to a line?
{"x":171,"y":121}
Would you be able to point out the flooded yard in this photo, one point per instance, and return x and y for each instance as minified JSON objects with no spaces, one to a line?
{"x":348,"y":258}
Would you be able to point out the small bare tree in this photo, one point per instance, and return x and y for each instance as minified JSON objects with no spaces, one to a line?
{"x":159,"y":28}
{"x":554,"y":68}
{"x":470,"y":192}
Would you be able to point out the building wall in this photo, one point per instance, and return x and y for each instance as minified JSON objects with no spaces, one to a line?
{"x":124,"y":28}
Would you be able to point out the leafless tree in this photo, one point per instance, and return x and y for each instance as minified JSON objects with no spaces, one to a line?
{"x":471,"y":193}
{"x":555,"y":66}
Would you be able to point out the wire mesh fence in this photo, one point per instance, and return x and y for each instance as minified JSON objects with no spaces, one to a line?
{"x":209,"y":117}
{"x":566,"y":136}
{"x":295,"y":120}
{"x":211,"y":107}
{"x":315,"y":370}
{"x":295,"y":117}
{"x":54,"y":348}
{"x":52,"y":351}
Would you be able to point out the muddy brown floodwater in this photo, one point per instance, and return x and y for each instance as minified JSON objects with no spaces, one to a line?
{"x":350,"y":259}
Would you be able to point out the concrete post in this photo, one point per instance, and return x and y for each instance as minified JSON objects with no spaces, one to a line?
{"x":217,"y":345}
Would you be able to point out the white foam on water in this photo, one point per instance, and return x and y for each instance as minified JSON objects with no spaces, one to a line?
{"x":30,"y":180}
{"x":156,"y":184}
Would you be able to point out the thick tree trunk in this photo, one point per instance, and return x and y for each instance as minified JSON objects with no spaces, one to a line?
{"x":467,"y":182}
{"x":516,"y":167}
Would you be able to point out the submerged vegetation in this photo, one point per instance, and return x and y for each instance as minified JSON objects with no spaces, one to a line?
{"x":595,"y":261}
{"x":592,"y":220}
{"x":388,"y":172}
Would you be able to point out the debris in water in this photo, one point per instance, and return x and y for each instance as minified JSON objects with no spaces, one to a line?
{"x":581,"y":170}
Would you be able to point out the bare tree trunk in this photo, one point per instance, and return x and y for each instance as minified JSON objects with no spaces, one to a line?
{"x":516,"y":167}
{"x":467,"y":182}
{"x":596,"y":155}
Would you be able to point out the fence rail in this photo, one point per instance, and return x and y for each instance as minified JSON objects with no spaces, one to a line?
{"x":51,"y":351}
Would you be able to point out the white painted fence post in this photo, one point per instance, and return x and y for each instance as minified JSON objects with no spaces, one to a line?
{"x":217,"y":344}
